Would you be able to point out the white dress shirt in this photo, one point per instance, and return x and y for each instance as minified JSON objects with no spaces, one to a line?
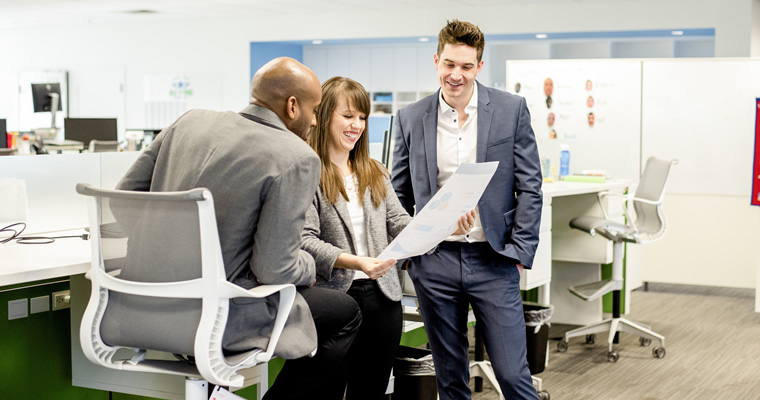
{"x":457,"y":145}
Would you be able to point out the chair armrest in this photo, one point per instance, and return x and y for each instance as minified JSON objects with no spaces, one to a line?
{"x":287,"y":298}
{"x":653,"y":202}
{"x":624,"y":198}
{"x":625,"y":201}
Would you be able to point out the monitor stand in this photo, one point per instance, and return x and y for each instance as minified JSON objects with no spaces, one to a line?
{"x":48,"y":133}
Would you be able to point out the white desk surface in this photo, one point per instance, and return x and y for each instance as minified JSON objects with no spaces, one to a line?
{"x":21,"y":263}
{"x":556,"y":189}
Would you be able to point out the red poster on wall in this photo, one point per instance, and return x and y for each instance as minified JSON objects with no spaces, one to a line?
{"x":756,"y":166}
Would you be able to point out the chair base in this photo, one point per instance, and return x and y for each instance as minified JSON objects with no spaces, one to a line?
{"x":595,"y":290}
{"x":614,"y":325}
{"x":483,"y":369}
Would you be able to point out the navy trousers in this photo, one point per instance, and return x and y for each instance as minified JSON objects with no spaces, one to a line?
{"x":455,"y":276}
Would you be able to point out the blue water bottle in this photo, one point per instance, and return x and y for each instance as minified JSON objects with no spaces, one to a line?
{"x":564,"y":160}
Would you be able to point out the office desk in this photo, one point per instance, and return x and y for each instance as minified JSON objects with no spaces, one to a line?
{"x":70,"y":257}
{"x":567,"y":257}
{"x":23,"y":263}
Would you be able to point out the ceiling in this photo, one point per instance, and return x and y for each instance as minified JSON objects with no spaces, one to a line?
{"x":19,"y":13}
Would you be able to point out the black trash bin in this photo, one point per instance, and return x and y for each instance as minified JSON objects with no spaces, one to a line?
{"x":537,"y":334}
{"x":414,"y":375}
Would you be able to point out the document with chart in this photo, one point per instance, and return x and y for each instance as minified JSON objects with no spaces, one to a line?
{"x":438,"y":219}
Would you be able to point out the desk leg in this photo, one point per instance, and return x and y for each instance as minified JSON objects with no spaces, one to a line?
{"x":544,"y":294}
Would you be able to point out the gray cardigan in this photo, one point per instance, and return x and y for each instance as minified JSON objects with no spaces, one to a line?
{"x":328,"y":232}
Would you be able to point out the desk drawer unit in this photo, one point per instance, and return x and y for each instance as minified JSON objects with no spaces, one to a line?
{"x":541,"y":271}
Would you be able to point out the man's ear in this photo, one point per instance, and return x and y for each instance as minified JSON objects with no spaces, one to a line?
{"x":291,"y":108}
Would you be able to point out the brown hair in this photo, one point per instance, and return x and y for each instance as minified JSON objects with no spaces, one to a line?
{"x":370,"y":173}
{"x":459,"y":32}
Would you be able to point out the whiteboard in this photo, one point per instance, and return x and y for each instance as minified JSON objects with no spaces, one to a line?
{"x":169,"y":95}
{"x":702,"y":112}
{"x":97,"y":93}
{"x":613,"y":96}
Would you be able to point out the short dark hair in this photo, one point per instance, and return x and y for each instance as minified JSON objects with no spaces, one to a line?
{"x":460,"y":32}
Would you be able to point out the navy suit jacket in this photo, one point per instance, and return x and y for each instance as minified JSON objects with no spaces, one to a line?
{"x":510,"y":208}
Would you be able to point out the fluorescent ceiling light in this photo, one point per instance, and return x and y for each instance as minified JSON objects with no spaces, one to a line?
{"x":424,"y":39}
{"x":316,"y":42}
{"x":541,"y":36}
{"x":676,"y":33}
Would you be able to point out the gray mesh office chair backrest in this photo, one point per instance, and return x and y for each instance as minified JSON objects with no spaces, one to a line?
{"x":649,"y":198}
{"x":161,"y":238}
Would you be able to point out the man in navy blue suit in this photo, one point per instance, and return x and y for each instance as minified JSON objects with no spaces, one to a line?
{"x":468,"y":122}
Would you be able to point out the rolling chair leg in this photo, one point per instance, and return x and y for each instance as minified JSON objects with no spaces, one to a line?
{"x":483,"y":369}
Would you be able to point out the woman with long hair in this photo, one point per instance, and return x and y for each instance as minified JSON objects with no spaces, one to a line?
{"x":354,"y":215}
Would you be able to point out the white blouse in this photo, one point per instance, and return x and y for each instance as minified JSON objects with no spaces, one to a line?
{"x":356,"y":211}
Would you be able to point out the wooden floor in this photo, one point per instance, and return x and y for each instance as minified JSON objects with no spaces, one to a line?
{"x":712,"y":338}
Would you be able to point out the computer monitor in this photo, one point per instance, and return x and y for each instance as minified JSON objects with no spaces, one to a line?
{"x":3,"y":135}
{"x":388,"y":143}
{"x":43,"y":95}
{"x":86,"y":129}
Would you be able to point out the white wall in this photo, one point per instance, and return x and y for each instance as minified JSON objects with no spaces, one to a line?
{"x":222,"y":47}
{"x":711,"y":240}
{"x":138,"y":50}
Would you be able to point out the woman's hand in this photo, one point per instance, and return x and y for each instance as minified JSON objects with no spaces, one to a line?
{"x":373,"y":267}
{"x":465,"y":223}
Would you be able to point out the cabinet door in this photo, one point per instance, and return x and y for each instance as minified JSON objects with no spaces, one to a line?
{"x":426,"y":74}
{"x":405,"y":68}
{"x":382,"y":69}
{"x":541,"y":271}
{"x":360,"y":66}
{"x":337,"y":61}
{"x":316,"y":59}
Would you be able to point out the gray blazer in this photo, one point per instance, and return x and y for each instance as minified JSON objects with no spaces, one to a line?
{"x":262,"y":177}
{"x":328,"y":232}
{"x":510,"y":208}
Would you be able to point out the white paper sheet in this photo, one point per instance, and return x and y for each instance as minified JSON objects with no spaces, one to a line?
{"x":438,"y":219}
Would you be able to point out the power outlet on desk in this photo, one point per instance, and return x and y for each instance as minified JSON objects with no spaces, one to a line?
{"x":61,"y":300}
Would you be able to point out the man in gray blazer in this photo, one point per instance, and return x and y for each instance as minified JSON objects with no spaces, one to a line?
{"x":263,"y":177}
{"x":468,"y":122}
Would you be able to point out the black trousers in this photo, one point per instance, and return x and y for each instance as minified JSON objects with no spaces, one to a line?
{"x":370,"y":360}
{"x":337,"y":318}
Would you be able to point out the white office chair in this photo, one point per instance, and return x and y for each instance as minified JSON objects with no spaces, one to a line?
{"x":649,"y":225}
{"x":158,"y":283}
{"x":102,"y":146}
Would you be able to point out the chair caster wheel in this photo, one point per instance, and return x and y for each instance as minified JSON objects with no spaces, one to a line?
{"x":591,"y":338}
{"x":562,"y":346}
{"x":645,"y":341}
{"x":613,"y":356}
{"x":658,"y":352}
{"x":544,"y":395}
